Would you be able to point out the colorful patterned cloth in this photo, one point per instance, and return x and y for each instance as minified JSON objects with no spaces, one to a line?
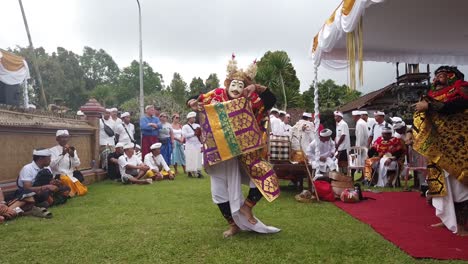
{"x":229,"y":130}
{"x":443,"y":138}
{"x":244,"y":137}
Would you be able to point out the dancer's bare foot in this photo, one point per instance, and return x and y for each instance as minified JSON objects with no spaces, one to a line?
{"x":438,"y":225}
{"x":233,"y":229}
{"x":247,"y":212}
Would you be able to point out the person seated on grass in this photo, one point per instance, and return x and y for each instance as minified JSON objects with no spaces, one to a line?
{"x":36,"y":177}
{"x":113,"y":171}
{"x":132,"y":169}
{"x":325,"y":160}
{"x":158,"y":164}
{"x":16,"y":207}
{"x":385,"y":154}
{"x":64,"y":160}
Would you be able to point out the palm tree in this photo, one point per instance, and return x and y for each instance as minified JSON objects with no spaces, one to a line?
{"x":280,"y":66}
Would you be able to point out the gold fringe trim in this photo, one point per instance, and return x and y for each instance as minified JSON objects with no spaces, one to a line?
{"x":354,"y":41}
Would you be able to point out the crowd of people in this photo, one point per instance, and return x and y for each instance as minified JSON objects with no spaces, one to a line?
{"x":382,"y":145}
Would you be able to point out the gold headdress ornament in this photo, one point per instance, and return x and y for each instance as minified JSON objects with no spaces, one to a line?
{"x":233,"y":73}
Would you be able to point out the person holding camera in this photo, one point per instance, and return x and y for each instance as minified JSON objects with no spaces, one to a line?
{"x":64,"y":160}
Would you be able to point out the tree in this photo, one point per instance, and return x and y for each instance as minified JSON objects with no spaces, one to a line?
{"x":276,"y":71}
{"x":211,"y":83}
{"x":129,"y":81}
{"x":177,"y":88}
{"x":105,"y":94}
{"x":331,"y":95}
{"x":98,"y":67}
{"x":197,"y":86}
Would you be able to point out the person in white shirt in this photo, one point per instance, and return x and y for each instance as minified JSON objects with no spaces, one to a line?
{"x":302,"y":133}
{"x":287,"y":126}
{"x":125,"y":130}
{"x":282,"y":116}
{"x":115,"y":117}
{"x":325,"y":160}
{"x":376,"y":130}
{"x":157,"y":164}
{"x":397,"y":122}
{"x":275,"y":123}
{"x":132,"y":169}
{"x":27,"y":178}
{"x":361,"y":130}
{"x":64,"y":161}
{"x":342,"y":141}
{"x":370,"y":121}
{"x":193,"y":147}
{"x":104,"y":138}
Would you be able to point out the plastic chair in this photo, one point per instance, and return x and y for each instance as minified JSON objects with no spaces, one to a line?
{"x":357,"y":159}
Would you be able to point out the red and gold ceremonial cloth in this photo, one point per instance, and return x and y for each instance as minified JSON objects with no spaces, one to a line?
{"x":443,"y":139}
{"x":229,"y":130}
{"x":232,"y":129}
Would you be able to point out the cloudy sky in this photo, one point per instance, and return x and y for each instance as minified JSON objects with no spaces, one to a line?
{"x":194,"y":38}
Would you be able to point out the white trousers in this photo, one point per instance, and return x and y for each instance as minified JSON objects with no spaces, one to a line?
{"x":445,"y":208}
{"x":323,"y":165}
{"x":383,"y":170}
{"x":226,"y":186}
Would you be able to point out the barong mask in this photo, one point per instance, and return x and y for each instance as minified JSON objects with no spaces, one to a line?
{"x":445,"y":76}
{"x":238,"y":79}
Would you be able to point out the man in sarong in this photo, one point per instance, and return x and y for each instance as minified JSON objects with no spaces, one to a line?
{"x":388,"y":152}
{"x":441,"y":135}
{"x":227,"y":175}
{"x":193,"y":147}
{"x":302,"y":133}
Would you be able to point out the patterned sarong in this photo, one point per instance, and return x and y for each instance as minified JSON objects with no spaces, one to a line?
{"x":230,"y":130}
{"x":443,"y":140}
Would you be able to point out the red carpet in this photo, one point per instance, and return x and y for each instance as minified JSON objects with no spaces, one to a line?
{"x":404,"y":218}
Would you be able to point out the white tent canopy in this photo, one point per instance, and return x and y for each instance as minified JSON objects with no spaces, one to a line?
{"x":410,"y":31}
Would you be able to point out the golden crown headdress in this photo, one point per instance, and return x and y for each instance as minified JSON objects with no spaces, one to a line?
{"x":233,"y":73}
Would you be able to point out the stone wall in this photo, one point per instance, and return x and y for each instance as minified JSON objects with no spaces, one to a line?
{"x":21,"y":132}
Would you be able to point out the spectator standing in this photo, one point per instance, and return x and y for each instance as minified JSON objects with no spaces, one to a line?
{"x":166,"y":137}
{"x":125,"y":130}
{"x":150,"y":126}
{"x":193,"y":147}
{"x":342,"y":141}
{"x":178,"y":156}
{"x":376,"y":130}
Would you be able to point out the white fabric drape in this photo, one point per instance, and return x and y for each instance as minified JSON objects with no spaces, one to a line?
{"x":409,"y":38}
{"x":14,"y":77}
{"x":226,"y":186}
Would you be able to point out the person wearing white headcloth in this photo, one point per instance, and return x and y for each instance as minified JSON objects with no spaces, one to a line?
{"x":376,"y":130}
{"x":281,"y":129}
{"x":388,"y":152}
{"x":157,"y":164}
{"x":64,"y":160}
{"x":370,"y":121}
{"x":132,"y":169}
{"x":342,"y":141}
{"x":106,"y":139}
{"x":115,"y":117}
{"x":302,"y":133}
{"x":29,"y":172}
{"x":193,"y":147}
{"x":325,"y":161}
{"x":125,"y":130}
{"x":275,"y":123}
{"x":287,"y":126}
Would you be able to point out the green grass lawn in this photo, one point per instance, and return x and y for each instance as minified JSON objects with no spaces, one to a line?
{"x":176,"y":222}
